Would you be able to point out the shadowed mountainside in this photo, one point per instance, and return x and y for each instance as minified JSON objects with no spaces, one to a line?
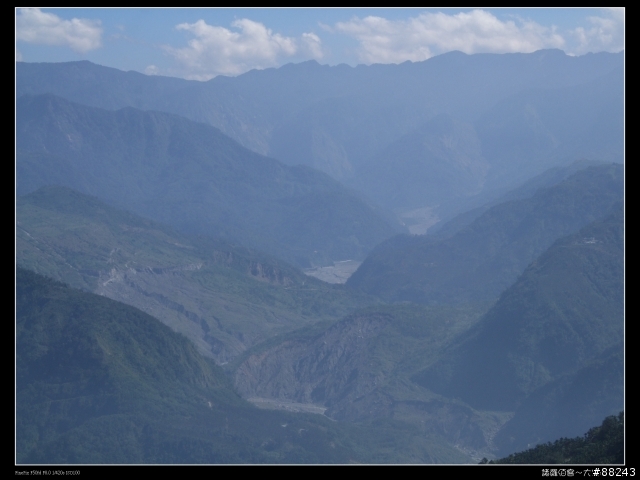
{"x":521,"y":113}
{"x":223,"y":297}
{"x":482,"y":259}
{"x":564,"y":312}
{"x":101,"y":382}
{"x":194,"y":178}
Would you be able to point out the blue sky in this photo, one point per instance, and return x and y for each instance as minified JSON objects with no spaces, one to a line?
{"x":202,"y":43}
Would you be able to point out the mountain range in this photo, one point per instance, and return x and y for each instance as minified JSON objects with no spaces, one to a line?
{"x":517,"y":115}
{"x":178,"y":216}
{"x":477,"y":262}
{"x":222,"y":296}
{"x":100,"y":382}
{"x":191,"y":176}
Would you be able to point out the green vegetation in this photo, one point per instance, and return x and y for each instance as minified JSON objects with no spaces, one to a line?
{"x":601,"y":445}
{"x":361,"y":368}
{"x":102,"y":382}
{"x":447,"y":380}
{"x":568,"y":405}
{"x":531,"y":112}
{"x":191,"y":176}
{"x":565,"y":310}
{"x":278,"y":330}
{"x":484,"y":258}
{"x":222,"y":296}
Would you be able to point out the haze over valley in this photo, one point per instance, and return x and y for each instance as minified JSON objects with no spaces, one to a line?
{"x":412,"y":262}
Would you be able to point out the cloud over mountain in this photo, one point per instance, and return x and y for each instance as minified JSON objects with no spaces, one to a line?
{"x":419,"y":38}
{"x":215,"y":50}
{"x":606,"y":33}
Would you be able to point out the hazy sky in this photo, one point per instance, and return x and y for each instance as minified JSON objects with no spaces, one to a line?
{"x":202,"y":43}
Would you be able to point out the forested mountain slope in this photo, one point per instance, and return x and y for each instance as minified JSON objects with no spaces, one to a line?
{"x":516,"y":115}
{"x":101,"y":382}
{"x":194,"y":178}
{"x":223,"y":297}
{"x":482,"y":259}
{"x":563,"y":313}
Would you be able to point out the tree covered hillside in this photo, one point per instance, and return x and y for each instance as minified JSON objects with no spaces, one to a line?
{"x":564,"y":311}
{"x":101,"y":382}
{"x":191,"y":176}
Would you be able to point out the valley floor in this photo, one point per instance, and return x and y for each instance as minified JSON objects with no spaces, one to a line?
{"x":338,"y":273}
{"x":275,"y":404}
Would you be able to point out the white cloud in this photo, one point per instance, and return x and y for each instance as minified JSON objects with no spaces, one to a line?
{"x":428,"y":34}
{"x":35,"y":26}
{"x":151,"y":70}
{"x":218,"y":50}
{"x":312,"y":44}
{"x":606,"y":33}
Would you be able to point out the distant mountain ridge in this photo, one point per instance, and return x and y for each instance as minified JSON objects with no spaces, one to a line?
{"x":191,"y":176}
{"x":431,"y":165}
{"x":480,"y":260}
{"x":345,"y":121}
{"x":199,"y":202}
{"x":294,"y":87}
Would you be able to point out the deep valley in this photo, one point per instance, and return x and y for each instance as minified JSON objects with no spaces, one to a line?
{"x":315,"y":264}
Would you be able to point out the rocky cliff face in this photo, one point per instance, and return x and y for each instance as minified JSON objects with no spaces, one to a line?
{"x":269,"y":274}
{"x":223,"y":297}
{"x":328,"y":369}
{"x":177,"y":301}
{"x":358,"y":369}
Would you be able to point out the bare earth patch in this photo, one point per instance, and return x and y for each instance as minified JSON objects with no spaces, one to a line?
{"x":272,"y":404}
{"x":419,"y":220}
{"x":338,"y":273}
